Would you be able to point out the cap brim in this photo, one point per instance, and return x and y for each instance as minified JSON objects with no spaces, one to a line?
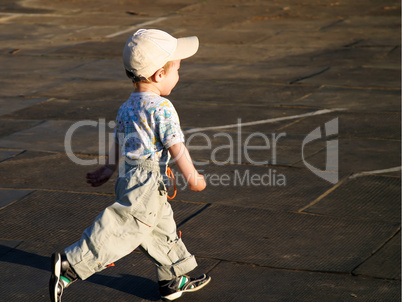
{"x":186,"y":47}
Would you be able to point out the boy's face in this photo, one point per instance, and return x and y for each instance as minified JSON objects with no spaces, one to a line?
{"x":171,"y":78}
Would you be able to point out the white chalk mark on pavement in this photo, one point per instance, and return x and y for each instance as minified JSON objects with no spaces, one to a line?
{"x":131,"y":29}
{"x":267,"y":121}
{"x":384,"y":171}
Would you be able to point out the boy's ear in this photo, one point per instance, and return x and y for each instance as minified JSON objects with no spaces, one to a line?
{"x":159,"y":75}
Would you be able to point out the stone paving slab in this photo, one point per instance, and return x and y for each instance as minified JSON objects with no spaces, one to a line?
{"x":231,"y":54}
{"x":240,"y":94}
{"x":8,"y":245}
{"x":319,"y":243}
{"x":268,"y":147}
{"x":103,"y":69}
{"x":51,"y":136}
{"x":352,"y":150}
{"x":8,"y":105}
{"x":7,"y":197}
{"x":254,"y":72}
{"x":28,"y":268}
{"x":22,"y":86}
{"x":72,"y":110}
{"x":97,"y":49}
{"x":6,"y":154}
{"x":359,"y":76}
{"x":351,"y":56}
{"x":8,"y":127}
{"x":12,"y":7}
{"x":229,"y":115}
{"x":372,"y":202}
{"x":354,"y":99}
{"x":271,"y":188}
{"x":51,"y":171}
{"x":253,"y":283}
{"x":58,"y":227}
{"x":391,"y":61}
{"x":82,"y":90}
{"x":385,"y":263}
{"x":34,"y":39}
{"x":92,"y":13}
{"x":39,"y":65}
{"x":376,"y":125}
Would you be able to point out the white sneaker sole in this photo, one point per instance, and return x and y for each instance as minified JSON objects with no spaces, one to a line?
{"x":177,"y":295}
{"x":56,"y":269}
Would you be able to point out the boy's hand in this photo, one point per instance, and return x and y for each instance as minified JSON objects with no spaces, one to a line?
{"x":198,"y":183}
{"x":100,"y":176}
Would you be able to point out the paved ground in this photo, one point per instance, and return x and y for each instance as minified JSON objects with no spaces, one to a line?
{"x":303,"y":201}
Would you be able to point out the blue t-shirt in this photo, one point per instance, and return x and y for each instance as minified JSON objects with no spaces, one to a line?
{"x":146,"y":126}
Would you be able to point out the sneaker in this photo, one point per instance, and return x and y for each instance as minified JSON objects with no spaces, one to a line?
{"x":62,"y":276}
{"x":173,"y":289}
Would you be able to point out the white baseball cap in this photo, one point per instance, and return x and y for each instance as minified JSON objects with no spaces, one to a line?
{"x":147,"y":50}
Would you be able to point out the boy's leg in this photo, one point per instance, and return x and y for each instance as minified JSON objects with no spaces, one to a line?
{"x":171,"y":257}
{"x":114,"y":234}
{"x":110,"y":238}
{"x":165,"y":249}
{"x":119,"y":229}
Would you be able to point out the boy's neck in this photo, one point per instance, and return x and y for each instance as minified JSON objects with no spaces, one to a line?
{"x":147,"y":87}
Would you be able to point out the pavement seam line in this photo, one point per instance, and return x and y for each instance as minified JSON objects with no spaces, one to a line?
{"x":375,"y":251}
{"x":18,"y":199}
{"x":363,"y":87}
{"x":309,"y":94}
{"x":324,"y":28}
{"x":310,"y":75}
{"x":60,"y":191}
{"x":214,"y":266}
{"x":325,"y":194}
{"x":344,"y":273}
{"x":310,"y":156}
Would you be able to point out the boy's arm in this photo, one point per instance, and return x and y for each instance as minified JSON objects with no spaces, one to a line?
{"x":183,"y":160}
{"x":103,"y":173}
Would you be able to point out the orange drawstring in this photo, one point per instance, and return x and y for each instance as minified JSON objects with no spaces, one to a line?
{"x":170,"y":174}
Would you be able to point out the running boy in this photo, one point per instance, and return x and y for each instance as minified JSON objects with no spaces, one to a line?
{"x":148,"y":134}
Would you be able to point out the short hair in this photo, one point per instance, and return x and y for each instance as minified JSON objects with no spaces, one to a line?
{"x":136,"y":79}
